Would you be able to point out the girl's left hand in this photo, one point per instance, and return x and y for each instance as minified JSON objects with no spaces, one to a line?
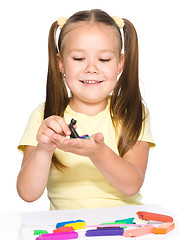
{"x":84,"y":147}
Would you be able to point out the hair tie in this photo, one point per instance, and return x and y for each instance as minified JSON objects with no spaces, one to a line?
{"x":119,"y":21}
{"x":61,"y":22}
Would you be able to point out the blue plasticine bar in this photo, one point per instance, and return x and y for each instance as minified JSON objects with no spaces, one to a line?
{"x":58,"y":236}
{"x":61,"y":224}
{"x":104,"y":232}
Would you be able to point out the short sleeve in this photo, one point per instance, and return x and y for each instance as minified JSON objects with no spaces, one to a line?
{"x":146,"y":134}
{"x":34,"y":122}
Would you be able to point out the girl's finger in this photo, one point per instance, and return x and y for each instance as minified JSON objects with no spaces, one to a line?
{"x":42,"y":138}
{"x":48,"y":132}
{"x":54,"y":125}
{"x":58,"y":139}
{"x":99,"y":138}
{"x":64,"y":126}
{"x":58,"y":125}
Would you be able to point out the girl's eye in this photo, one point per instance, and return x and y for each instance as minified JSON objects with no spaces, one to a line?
{"x":78,"y":59}
{"x":104,"y":59}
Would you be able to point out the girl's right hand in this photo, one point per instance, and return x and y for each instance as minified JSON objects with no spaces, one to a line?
{"x":51,"y":125}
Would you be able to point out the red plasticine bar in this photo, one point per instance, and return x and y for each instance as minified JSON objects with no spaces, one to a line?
{"x":58,"y":236}
{"x":154,"y":217}
{"x":136,"y":232}
{"x":164,"y":228}
{"x":63,"y":229}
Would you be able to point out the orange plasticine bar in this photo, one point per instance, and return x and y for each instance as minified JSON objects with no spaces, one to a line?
{"x":136,"y":232}
{"x":164,"y":228}
{"x":154,"y":217}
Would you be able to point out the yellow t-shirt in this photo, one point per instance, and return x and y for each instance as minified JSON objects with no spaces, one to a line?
{"x":81,"y":185}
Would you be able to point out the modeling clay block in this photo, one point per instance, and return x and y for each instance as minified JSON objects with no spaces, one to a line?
{"x":117,"y":225}
{"x":164,"y":228}
{"x":58,"y":236}
{"x":38,"y":232}
{"x":154,"y":217}
{"x":76,"y":225}
{"x":63,"y":229}
{"x":125,"y":221}
{"x":74,"y":134}
{"x":110,"y":227}
{"x":138,"y":220}
{"x":84,"y":136}
{"x":104,"y":232}
{"x":114,"y":223}
{"x":61,"y":224}
{"x":136,"y":232}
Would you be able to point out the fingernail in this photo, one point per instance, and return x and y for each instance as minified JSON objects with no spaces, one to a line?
{"x":54,"y":138}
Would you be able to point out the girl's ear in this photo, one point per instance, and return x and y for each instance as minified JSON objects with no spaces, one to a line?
{"x":60,"y":63}
{"x":121,"y":63}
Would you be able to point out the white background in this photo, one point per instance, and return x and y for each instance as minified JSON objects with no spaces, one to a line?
{"x":24,"y":27}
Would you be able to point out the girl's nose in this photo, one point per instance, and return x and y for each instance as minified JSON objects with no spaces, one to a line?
{"x":91,"y":68}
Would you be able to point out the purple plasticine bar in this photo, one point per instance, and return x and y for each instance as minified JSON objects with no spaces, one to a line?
{"x":58,"y":236}
{"x":110,"y":227}
{"x":104,"y":232}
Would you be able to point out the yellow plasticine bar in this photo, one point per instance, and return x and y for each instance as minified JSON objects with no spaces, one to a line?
{"x":76,"y":225}
{"x":164,"y":228}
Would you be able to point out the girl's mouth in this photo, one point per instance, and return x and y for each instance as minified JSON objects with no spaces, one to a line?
{"x":90,"y":81}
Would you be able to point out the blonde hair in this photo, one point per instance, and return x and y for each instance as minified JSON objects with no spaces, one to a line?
{"x":126,"y":106}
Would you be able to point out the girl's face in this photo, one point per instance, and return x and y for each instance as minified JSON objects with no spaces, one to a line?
{"x":90,"y":61}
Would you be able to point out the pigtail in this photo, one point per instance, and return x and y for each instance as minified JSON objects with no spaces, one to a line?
{"x":126,"y":102}
{"x":56,"y":92}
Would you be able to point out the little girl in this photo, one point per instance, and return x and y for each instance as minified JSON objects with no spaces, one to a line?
{"x":108,"y":169}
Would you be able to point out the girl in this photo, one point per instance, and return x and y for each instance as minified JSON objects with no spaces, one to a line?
{"x":108,"y":169}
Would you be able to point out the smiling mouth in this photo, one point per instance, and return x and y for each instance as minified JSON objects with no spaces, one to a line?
{"x":90,"y":81}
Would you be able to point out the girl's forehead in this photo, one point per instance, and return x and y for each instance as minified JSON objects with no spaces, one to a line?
{"x":86,"y":26}
{"x":91,"y":32}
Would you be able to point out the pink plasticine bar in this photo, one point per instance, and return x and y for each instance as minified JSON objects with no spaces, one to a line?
{"x":58,"y":236}
{"x":117,"y":225}
{"x":136,"y":232}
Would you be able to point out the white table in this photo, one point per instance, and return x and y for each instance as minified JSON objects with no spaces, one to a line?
{"x":21,"y":226}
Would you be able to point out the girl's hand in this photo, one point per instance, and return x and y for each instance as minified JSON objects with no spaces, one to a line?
{"x":83,"y":147}
{"x":50,"y":126}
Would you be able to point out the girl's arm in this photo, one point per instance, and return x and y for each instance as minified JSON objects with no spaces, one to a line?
{"x":33,"y":176}
{"x":125,"y":173}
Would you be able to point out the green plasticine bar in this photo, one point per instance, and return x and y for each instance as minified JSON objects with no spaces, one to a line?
{"x":127,"y":221}
{"x":38,"y":232}
{"x":111,"y":223}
